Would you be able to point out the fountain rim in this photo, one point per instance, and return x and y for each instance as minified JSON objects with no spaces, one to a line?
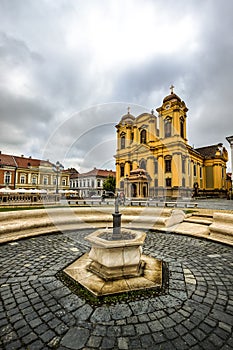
{"x":95,"y":239}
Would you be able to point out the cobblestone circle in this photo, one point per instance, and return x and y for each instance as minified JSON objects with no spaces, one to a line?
{"x":38,"y":312}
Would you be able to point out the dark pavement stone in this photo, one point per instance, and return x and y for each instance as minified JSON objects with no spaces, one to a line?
{"x":76,"y":338}
{"x":38,"y":312}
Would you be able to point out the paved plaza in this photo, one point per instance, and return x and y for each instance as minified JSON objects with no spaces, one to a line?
{"x":39,"y":312}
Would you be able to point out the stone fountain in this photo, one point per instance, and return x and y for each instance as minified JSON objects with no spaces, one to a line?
{"x":115,"y":263}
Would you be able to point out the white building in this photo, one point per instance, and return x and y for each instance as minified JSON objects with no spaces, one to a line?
{"x":90,"y":183}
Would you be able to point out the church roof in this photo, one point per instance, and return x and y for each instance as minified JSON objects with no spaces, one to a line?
{"x":209,"y":151}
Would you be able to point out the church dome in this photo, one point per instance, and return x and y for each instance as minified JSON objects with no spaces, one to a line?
{"x":128,"y":117}
{"x":171,"y":97}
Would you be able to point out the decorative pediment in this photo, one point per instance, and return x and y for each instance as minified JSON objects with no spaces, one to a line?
{"x":144,"y":126}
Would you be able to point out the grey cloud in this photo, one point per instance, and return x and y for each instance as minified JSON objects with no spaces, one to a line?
{"x":65,"y":76}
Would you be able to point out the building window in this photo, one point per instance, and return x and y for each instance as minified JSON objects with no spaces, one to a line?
{"x":122,"y":141}
{"x":63,"y":182}
{"x":156,"y":166}
{"x":22,"y":179}
{"x":200,"y":172}
{"x":183,"y":182}
{"x":98,"y":183}
{"x":132,"y":137}
{"x":168,"y":127}
{"x":182,"y":127}
{"x":45,"y":180}
{"x":7,"y":178}
{"x":142,"y":164}
{"x":92,"y":183}
{"x":223,"y":172}
{"x":168,"y":165}
{"x":168,"y":182}
{"x":194,"y":170}
{"x":34,"y":180}
{"x":183,"y":165}
{"x":143,"y":136}
{"x":122,"y":170}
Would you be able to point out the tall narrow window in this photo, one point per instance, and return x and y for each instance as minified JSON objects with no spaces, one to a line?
{"x":132,"y":137}
{"x":143,"y":136}
{"x":45,"y":180}
{"x":122,"y":141}
{"x":194,"y":170}
{"x":168,"y":127}
{"x":200,"y":172}
{"x":156,"y":166}
{"x":168,"y":165}
{"x":183,"y":165}
{"x":143,"y":164}
{"x":182,"y":127}
{"x":122,"y":172}
{"x":7,"y":179}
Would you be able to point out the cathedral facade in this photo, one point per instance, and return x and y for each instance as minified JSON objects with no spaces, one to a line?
{"x":154,"y":159}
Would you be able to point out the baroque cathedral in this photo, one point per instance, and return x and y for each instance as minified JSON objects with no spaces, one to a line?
{"x":154,"y":159}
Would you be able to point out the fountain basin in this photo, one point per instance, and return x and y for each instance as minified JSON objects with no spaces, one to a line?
{"x":112,"y":258}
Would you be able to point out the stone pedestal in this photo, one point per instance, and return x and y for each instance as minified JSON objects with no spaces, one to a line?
{"x":115,"y":259}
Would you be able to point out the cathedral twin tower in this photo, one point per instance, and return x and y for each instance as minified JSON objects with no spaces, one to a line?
{"x":153,"y":158}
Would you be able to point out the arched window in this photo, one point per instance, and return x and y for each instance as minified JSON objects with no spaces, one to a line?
{"x":182,"y":127}
{"x":142,"y":164}
{"x":168,"y":127}
{"x":122,"y":141}
{"x":143,"y":136}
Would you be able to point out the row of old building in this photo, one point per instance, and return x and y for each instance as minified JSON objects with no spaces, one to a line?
{"x":25,"y":175}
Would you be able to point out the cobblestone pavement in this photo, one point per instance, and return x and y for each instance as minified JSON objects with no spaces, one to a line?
{"x":38,"y":312}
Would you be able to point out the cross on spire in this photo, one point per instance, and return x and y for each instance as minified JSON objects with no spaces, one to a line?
{"x":171,"y":88}
{"x":128,"y":110}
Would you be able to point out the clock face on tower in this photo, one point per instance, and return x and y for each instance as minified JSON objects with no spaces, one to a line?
{"x":167,"y":106}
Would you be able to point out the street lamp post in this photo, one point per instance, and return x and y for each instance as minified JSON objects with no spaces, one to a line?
{"x":57,"y":168}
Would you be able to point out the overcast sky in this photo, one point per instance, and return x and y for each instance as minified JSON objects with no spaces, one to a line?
{"x":70,"y":68}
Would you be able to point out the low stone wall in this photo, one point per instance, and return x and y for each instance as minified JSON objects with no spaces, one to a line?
{"x":222,"y":228}
{"x":19,"y":224}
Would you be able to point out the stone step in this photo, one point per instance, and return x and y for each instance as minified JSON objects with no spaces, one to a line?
{"x":199,"y":220}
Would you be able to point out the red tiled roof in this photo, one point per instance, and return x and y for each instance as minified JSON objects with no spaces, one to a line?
{"x":7,"y":160}
{"x":96,"y":172}
{"x":22,"y":162}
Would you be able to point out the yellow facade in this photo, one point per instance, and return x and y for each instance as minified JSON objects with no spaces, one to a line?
{"x":154,"y":159}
